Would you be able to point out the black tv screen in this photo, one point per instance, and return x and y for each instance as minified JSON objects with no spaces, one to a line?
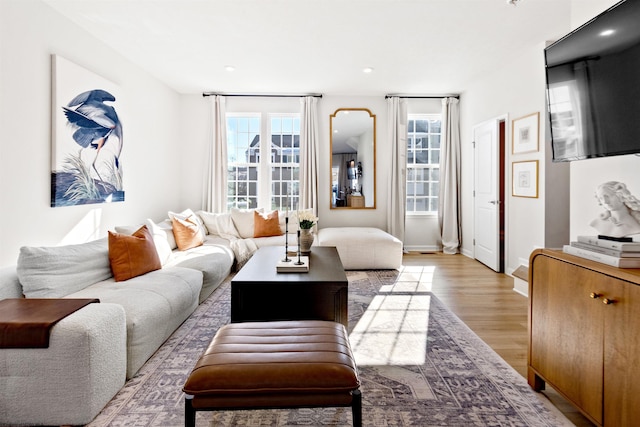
{"x":593,"y":86}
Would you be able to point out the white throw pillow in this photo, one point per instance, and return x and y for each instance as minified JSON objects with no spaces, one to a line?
{"x":167,"y":227}
{"x":127,"y":229}
{"x":57,"y":271}
{"x":293,"y":221}
{"x":243,"y":220}
{"x":219,"y":224}
{"x":160,"y":240}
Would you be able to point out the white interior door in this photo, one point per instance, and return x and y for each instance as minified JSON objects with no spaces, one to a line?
{"x":486,"y":191}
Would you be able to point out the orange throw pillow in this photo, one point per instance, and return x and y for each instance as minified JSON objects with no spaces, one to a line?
{"x":131,"y":256}
{"x":187,"y":233}
{"x":266,"y":225}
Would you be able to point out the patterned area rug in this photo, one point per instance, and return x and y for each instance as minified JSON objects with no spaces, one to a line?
{"x":418,"y":363}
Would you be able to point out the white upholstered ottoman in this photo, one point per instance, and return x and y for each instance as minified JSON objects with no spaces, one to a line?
{"x":363,"y":248}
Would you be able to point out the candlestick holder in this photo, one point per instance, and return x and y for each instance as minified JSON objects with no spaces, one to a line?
{"x":299,"y":262}
{"x":286,"y":240}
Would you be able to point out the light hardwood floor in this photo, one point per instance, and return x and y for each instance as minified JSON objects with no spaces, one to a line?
{"x":486,"y":303}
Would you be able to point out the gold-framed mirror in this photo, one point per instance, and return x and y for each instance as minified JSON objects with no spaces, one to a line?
{"x":353,"y":159}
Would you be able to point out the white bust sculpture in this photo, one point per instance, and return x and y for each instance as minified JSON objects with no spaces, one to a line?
{"x":622,"y":211}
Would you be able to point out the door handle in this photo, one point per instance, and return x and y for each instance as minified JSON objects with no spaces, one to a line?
{"x":495,"y":202}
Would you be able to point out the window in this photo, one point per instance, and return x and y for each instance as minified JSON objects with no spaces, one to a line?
{"x":285,"y":161}
{"x":423,"y":163}
{"x":255,"y":179}
{"x":243,"y":157}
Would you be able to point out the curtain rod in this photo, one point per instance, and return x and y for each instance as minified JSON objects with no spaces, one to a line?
{"x":450,"y":95}
{"x":264,"y":95}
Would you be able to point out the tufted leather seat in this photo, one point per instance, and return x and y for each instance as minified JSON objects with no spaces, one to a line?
{"x":275,"y":365}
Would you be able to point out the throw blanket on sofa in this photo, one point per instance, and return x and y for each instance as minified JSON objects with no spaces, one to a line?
{"x":27,"y":322}
{"x":243,"y":249}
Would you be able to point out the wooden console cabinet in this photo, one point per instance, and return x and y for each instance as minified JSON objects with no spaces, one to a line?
{"x":584,"y":335}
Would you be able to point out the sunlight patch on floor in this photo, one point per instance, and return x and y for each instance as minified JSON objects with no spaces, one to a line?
{"x":393,"y":329}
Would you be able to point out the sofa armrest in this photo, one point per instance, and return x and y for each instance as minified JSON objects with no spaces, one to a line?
{"x":10,"y":286}
{"x":69,"y":382}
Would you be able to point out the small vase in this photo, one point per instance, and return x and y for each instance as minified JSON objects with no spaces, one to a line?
{"x":306,"y":240}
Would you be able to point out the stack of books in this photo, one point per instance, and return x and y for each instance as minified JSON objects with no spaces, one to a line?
{"x":292,"y":265}
{"x":610,"y":252}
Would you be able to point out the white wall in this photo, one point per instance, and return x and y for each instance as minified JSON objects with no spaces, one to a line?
{"x":30,"y":32}
{"x":515,"y":89}
{"x":583,"y":11}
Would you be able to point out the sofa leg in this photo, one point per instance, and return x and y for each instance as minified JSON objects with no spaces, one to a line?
{"x":189,"y":412}
{"x":356,"y":408}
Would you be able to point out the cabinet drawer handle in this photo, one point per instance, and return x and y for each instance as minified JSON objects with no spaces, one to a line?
{"x":595,"y":295}
{"x":607,"y":301}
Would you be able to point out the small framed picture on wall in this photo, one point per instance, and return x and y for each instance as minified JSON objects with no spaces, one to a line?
{"x":525,"y":179}
{"x":524,"y":133}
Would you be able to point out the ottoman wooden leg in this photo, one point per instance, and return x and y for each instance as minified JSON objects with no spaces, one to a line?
{"x":189,"y":412}
{"x":356,"y":408}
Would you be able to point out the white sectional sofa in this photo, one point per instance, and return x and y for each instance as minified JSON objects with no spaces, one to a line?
{"x":94,"y":350}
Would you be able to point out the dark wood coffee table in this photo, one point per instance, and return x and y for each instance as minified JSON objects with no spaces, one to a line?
{"x":259,"y":293}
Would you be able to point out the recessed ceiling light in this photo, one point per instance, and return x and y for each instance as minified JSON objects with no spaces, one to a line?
{"x":367,"y":70}
{"x":229,"y":68}
{"x":607,"y":33}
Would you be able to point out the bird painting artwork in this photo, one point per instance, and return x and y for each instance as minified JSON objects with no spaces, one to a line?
{"x":93,"y":172}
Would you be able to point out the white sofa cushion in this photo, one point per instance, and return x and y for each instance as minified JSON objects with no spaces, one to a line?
{"x":214,"y":259}
{"x":155,"y":305}
{"x":57,"y":271}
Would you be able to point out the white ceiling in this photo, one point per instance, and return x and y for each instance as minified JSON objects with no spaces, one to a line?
{"x":319,"y":46}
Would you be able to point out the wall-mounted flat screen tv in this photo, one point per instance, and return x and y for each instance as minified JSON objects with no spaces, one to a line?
{"x":593,"y":86}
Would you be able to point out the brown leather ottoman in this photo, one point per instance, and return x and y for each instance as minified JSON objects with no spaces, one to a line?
{"x":259,"y":365}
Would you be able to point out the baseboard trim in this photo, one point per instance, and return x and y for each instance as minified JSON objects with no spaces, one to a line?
{"x":428,"y":249}
{"x":521,"y":286}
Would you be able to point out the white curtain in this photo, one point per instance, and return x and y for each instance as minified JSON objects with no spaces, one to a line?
{"x":309,"y":154}
{"x":215,"y":185}
{"x":449,"y":215}
{"x":397,"y":125}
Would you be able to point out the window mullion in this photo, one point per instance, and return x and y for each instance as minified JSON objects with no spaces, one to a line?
{"x":264,"y":169}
